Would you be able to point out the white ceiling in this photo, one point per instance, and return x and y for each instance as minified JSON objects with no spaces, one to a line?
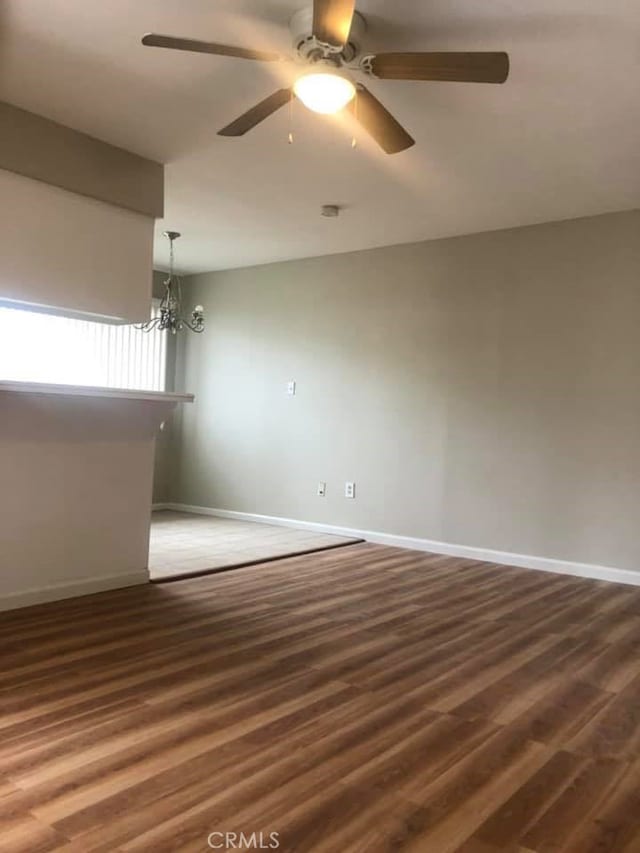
{"x":560,"y":139}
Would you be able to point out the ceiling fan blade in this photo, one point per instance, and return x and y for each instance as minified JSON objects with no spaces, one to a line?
{"x":332,"y":20}
{"x":153,"y":40}
{"x":379,"y":123}
{"x":247,"y":121}
{"x":462,"y":67}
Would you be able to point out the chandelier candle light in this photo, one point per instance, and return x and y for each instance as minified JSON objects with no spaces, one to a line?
{"x":170,"y":312}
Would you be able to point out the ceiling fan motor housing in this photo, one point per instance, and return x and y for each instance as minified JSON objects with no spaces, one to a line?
{"x":308,"y":47}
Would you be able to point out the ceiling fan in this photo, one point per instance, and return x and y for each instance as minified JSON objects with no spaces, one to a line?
{"x":327,"y":39}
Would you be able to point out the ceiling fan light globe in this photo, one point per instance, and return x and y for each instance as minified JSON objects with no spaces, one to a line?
{"x":324,"y":92}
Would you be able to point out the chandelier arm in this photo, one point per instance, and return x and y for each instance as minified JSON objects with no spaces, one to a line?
{"x":149,"y":325}
{"x":197,"y":328}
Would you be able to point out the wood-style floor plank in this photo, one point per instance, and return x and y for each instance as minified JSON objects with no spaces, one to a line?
{"x":364,"y":699}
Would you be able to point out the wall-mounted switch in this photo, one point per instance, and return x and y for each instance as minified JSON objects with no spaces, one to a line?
{"x":291,"y":388}
{"x":349,"y":490}
{"x":322,"y":489}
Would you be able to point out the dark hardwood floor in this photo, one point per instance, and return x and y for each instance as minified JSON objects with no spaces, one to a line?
{"x":363,"y":699}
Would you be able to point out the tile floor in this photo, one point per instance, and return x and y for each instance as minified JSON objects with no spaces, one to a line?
{"x":183,"y":544}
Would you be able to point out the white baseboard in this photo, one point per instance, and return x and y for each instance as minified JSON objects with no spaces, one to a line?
{"x":506,"y":558}
{"x":72,"y":589}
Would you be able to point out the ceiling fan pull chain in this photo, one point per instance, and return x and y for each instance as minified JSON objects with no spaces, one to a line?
{"x":354,"y":141}
{"x":291,"y":117}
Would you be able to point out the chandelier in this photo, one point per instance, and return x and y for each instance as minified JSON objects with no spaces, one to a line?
{"x":170,"y":311}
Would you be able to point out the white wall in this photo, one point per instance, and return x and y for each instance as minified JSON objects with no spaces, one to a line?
{"x":73,"y":253}
{"x":481,"y":390}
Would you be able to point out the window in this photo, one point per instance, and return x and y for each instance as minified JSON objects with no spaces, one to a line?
{"x":38,"y":347}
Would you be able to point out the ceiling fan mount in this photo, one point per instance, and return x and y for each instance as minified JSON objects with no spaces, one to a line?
{"x":308,"y":47}
{"x":328,"y":39}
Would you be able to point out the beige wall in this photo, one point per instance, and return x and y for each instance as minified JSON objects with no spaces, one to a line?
{"x":73,"y":253}
{"x":481,"y":390}
{"x":38,"y":148}
{"x":163,"y":468}
{"x":75,"y":477}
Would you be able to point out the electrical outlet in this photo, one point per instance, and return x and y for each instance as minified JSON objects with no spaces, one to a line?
{"x":291,"y":388}
{"x":322,"y":489}
{"x":349,"y":490}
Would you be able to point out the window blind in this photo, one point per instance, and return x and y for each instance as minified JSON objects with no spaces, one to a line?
{"x":45,"y":348}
